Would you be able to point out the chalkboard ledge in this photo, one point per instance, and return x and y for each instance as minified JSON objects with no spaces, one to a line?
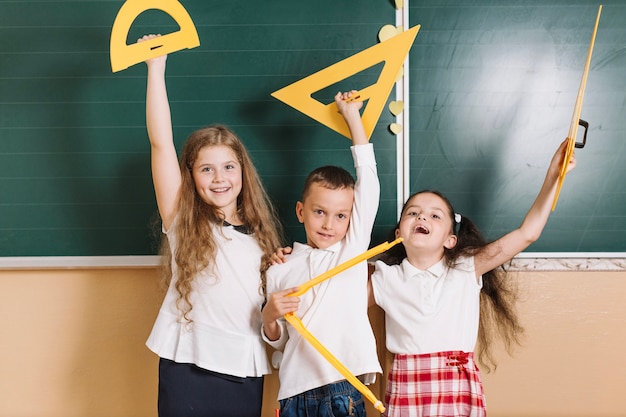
{"x":527,"y":261}
{"x":568,"y":262}
{"x":78,"y":262}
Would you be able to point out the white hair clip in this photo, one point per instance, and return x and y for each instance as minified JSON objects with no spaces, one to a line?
{"x":457,"y":217}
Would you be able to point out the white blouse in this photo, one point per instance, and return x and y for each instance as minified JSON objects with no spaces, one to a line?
{"x":224,"y":333}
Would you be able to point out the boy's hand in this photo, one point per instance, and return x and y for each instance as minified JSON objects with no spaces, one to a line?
{"x":347,"y":102}
{"x":350,"y":108}
{"x":278,"y":304}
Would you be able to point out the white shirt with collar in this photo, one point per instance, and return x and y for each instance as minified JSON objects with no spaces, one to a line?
{"x":430,"y":311}
{"x":335,"y":311}
{"x":226,"y":314}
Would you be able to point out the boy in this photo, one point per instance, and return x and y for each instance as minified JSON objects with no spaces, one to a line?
{"x":338,"y":216}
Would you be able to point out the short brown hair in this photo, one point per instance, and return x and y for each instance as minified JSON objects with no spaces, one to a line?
{"x":329,"y":176}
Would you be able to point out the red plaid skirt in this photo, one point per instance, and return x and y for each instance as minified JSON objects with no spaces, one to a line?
{"x":443,"y":384}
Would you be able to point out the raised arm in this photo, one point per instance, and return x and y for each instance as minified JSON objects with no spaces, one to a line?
{"x":350,"y":112}
{"x":165,"y":168}
{"x":511,"y":244}
{"x":367,"y":186}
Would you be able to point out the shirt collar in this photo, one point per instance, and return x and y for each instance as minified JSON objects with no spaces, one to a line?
{"x":302,"y":247}
{"x":241,"y":228}
{"x":435,"y":271}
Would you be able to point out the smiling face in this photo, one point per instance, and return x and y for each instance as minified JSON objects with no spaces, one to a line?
{"x":426,"y":224}
{"x":325,"y":214}
{"x":217,"y":175}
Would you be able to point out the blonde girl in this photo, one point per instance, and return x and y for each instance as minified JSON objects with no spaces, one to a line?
{"x":219,"y":232}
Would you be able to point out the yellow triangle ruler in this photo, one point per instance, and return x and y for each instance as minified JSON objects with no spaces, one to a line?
{"x":392,"y":52}
{"x":123,"y":55}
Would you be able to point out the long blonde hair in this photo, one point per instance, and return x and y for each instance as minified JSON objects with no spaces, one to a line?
{"x":196,"y":247}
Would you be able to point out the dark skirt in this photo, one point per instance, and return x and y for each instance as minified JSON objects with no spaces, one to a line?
{"x":186,"y":390}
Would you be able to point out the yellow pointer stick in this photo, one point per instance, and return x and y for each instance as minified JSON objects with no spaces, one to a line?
{"x":299,"y":326}
{"x":342,"y":267}
{"x":573,"y":127}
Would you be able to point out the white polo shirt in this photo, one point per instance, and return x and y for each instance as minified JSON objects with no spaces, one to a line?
{"x":430,"y":311}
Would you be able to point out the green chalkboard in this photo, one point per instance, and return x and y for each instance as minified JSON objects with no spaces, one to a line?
{"x":492,"y":93}
{"x":74,"y":154}
{"x":492,"y":87}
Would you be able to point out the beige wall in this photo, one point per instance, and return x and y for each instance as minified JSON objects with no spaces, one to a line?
{"x":72,"y":345}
